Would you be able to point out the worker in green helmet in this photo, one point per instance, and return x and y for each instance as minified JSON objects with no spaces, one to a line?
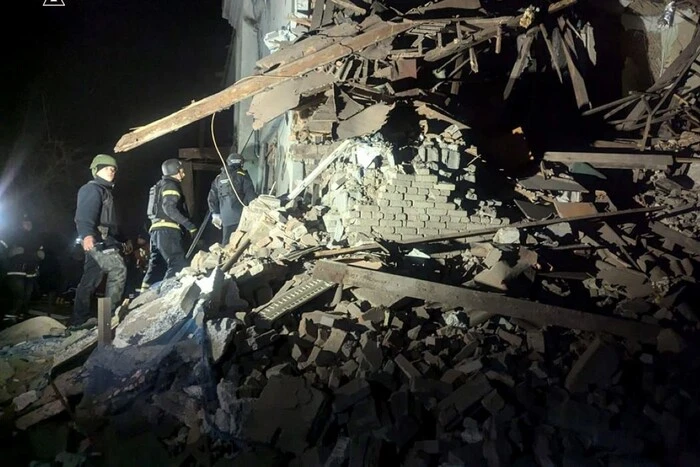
{"x":98,"y":231}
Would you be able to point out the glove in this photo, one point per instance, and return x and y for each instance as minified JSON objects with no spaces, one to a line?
{"x":127,"y":248}
{"x":216,"y":221}
{"x":40,"y":254}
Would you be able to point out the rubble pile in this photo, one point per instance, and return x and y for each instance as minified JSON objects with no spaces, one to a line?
{"x":365,"y":372}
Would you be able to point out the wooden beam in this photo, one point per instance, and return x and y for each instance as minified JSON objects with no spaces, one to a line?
{"x":350,"y":6}
{"x":252,"y":85}
{"x":104,"y":321}
{"x":520,"y":63}
{"x":612,"y":160}
{"x":577,"y":81}
{"x":540,"y":313}
{"x":550,"y":48}
{"x":317,"y":15}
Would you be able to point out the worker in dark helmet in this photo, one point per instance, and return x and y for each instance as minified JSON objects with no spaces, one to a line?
{"x":227,"y":197}
{"x":168,"y":214}
{"x":98,"y":231}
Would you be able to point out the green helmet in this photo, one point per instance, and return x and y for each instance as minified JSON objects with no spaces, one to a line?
{"x":102,"y":159}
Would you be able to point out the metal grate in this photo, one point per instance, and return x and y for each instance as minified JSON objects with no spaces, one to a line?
{"x":293,"y":298}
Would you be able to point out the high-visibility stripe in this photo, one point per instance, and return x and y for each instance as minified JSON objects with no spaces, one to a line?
{"x":168,"y":224}
{"x":2,"y":242}
{"x":240,"y":172}
{"x":171,"y":193}
{"x":16,"y":273}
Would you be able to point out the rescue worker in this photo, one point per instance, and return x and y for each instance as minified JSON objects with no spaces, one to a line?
{"x":168,"y":213}
{"x":225,"y":201}
{"x":24,"y":256}
{"x":98,"y":233}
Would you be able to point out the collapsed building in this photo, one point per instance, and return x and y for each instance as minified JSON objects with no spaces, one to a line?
{"x":424,"y":287}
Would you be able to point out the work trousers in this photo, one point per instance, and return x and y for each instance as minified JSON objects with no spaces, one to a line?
{"x":228,"y":230}
{"x":97,"y":265}
{"x":167,"y":256}
{"x":21,"y":288}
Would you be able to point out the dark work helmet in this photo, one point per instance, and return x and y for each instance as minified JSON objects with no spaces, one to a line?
{"x":171,"y":167}
{"x":234,"y":159}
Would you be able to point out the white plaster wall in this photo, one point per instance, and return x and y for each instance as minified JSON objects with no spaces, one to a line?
{"x":255,"y":18}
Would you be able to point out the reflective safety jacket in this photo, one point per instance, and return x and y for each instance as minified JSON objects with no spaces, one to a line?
{"x":166,"y":206}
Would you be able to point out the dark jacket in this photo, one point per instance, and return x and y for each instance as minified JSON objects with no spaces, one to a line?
{"x":171,"y":209}
{"x":223,"y":201}
{"x":96,"y":214}
{"x":23,"y":254}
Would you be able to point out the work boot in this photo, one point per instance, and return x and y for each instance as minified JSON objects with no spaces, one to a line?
{"x":89,"y":323}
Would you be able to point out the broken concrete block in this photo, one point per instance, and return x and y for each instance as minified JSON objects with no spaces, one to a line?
{"x":154,"y":319}
{"x":670,"y":341}
{"x":335,"y":341}
{"x":349,"y":394}
{"x":451,"y":408}
{"x":406,"y":367}
{"x":284,"y":414}
{"x":507,"y":235}
{"x":512,"y":339}
{"x":372,"y":357}
{"x":24,"y":400}
{"x":535,"y":341}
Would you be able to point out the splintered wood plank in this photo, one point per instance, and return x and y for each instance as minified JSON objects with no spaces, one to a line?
{"x":306,"y":46}
{"x":350,"y":106}
{"x":317,"y":15}
{"x":676,"y":237}
{"x":348,"y":5}
{"x":550,"y":48}
{"x":278,"y":100}
{"x":520,"y":63}
{"x":429,"y":111}
{"x":368,"y":121}
{"x":457,"y":75}
{"x":252,"y":85}
{"x":406,"y":68}
{"x":577,"y":81}
{"x":456,"y":47}
{"x":473,"y":62}
{"x":538,"y":182}
{"x":448,"y":5}
{"x":328,"y":14}
{"x":574,"y":209}
{"x":612,"y":160}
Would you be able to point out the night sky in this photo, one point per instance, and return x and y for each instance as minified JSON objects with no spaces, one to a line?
{"x":79,"y":77}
